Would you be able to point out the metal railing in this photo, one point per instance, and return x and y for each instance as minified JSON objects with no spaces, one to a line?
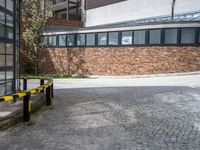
{"x":26,"y":95}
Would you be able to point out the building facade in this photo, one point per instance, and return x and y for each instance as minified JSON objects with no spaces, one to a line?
{"x":9,"y":46}
{"x":127,"y":37}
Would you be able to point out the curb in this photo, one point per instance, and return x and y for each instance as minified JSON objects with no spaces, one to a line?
{"x":148,"y":76}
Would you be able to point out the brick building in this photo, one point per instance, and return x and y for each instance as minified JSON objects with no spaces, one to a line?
{"x":122,"y":37}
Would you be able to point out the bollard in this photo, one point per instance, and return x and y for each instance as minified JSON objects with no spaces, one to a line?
{"x":24,"y":84}
{"x":42,"y":83}
{"x":26,"y":108}
{"x":48,"y":96}
{"x":52,"y":92}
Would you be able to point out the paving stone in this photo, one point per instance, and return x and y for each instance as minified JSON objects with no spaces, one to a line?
{"x":113,"y":118}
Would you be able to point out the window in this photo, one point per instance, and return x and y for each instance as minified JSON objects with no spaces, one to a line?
{"x":81,"y":39}
{"x":113,"y":38}
{"x":2,"y":3}
{"x":9,"y":5}
{"x":62,"y":40}
{"x":9,"y":48}
{"x":154,"y":36}
{"x":102,"y":38}
{"x":127,"y":38}
{"x":188,"y":36}
{"x":9,"y":27}
{"x":52,"y":40}
{"x":2,"y":24}
{"x":2,"y":48}
{"x":70,"y":40}
{"x":2,"y":17}
{"x":2,"y":89}
{"x":90,"y":39}
{"x":2,"y":60}
{"x":2,"y":76}
{"x":139,"y":37}
{"x":171,"y":36}
{"x":9,"y":75}
{"x":9,"y":60}
{"x":9,"y":87}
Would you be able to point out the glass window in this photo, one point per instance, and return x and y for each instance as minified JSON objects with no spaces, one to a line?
{"x":102,"y":38}
{"x":70,"y":40}
{"x":52,"y":40}
{"x":9,"y":75}
{"x":90,"y":39}
{"x":2,"y":76}
{"x":62,"y":40}
{"x":9,"y":60}
{"x":2,"y":60}
{"x":9,"y":87}
{"x":2,"y":89}
{"x":2,"y":30}
{"x":2,"y":3}
{"x":2,"y":48}
{"x":127,"y":38}
{"x":188,"y":36}
{"x":139,"y":37}
{"x":2,"y":17}
{"x":171,"y":36}
{"x":81,"y":39}
{"x":9,"y":33}
{"x":154,"y":36}
{"x":9,"y":21}
{"x":113,"y":38}
{"x":9,"y":48}
{"x":9,"y":5}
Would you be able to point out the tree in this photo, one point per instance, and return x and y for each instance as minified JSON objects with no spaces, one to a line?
{"x":34,"y":19}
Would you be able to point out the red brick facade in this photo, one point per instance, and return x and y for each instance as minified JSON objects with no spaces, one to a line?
{"x":121,"y":60}
{"x":64,"y":22}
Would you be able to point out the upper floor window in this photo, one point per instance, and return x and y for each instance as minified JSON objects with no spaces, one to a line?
{"x":71,"y":40}
{"x":113,"y":38}
{"x":102,"y":38}
{"x":52,"y":40}
{"x":188,"y":36}
{"x":90,"y":39}
{"x":139,"y":37}
{"x":154,"y":36}
{"x":81,"y":39}
{"x":127,"y":38}
{"x":171,"y":36}
{"x":62,"y":40}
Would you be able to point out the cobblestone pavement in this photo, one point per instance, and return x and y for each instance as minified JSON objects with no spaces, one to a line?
{"x":113,"y":118}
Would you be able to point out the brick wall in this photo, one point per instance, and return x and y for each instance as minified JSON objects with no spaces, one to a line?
{"x":121,"y":60}
{"x":64,"y":22}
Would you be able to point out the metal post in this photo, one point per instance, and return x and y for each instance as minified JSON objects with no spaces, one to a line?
{"x":52,"y":92}
{"x":48,"y":96}
{"x":24,"y":84}
{"x":26,"y":108}
{"x":173,"y":5}
{"x":42,"y":83}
